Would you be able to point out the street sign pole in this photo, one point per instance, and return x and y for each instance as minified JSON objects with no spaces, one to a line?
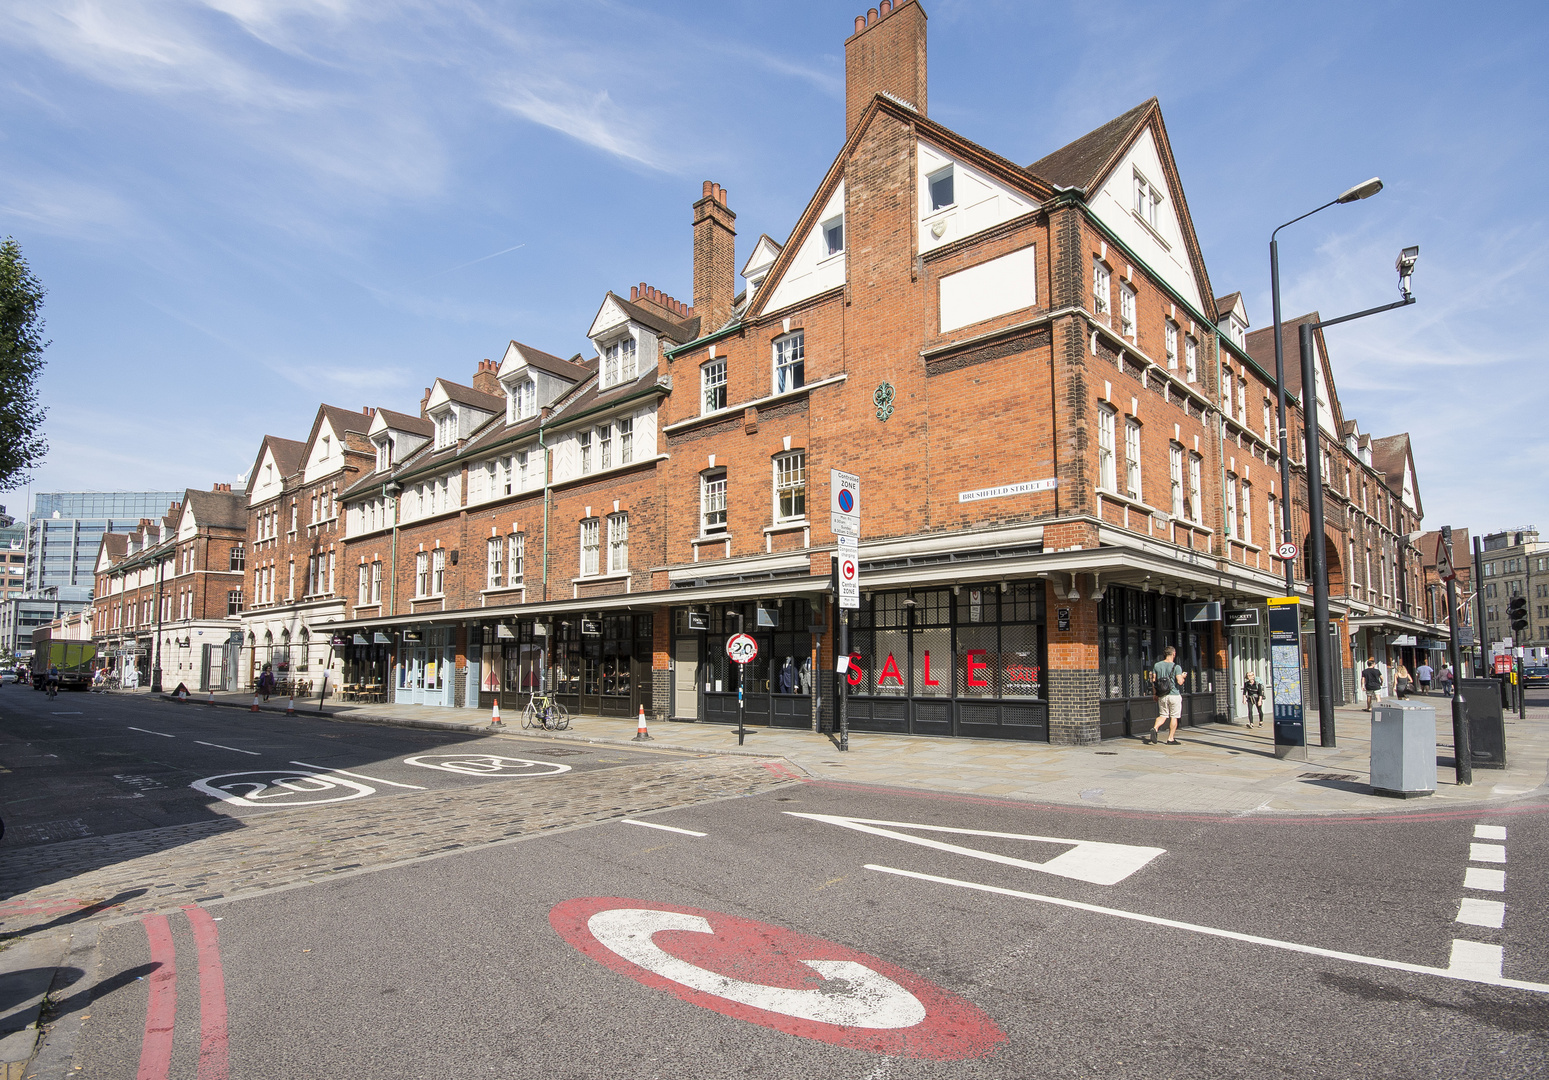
{"x":1463,"y":763}
{"x":741,"y":650}
{"x":845,"y":522}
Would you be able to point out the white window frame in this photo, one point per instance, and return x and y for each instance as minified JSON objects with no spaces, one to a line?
{"x":604,"y":447}
{"x":446,"y":428}
{"x":827,"y":234}
{"x":1231,"y":506}
{"x":1127,"y":309}
{"x":584,"y":450}
{"x":618,"y":543}
{"x":422,"y":573}
{"x":376,"y":582}
{"x":1132,"y":458}
{"x":1247,"y":512}
{"x":516,"y":557}
{"x":626,"y":434}
{"x":524,"y":399}
{"x":790,"y":484}
{"x":438,"y":572}
{"x":1171,"y":344}
{"x":712,"y":502}
{"x":1227,"y":383}
{"x":494,"y":563}
{"x":1190,"y":358}
{"x":712,"y":386}
{"x":590,"y":529}
{"x":1196,"y":463}
{"x":1148,"y":200}
{"x":1175,"y":478}
{"x":1107,"y":467}
{"x":949,"y":174}
{"x":788,"y":360}
{"x":1102,"y":287}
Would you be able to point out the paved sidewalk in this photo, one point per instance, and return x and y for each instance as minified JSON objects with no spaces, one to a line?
{"x":1219,"y":768}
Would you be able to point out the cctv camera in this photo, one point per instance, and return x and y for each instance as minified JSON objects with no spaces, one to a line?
{"x":1406,"y":268}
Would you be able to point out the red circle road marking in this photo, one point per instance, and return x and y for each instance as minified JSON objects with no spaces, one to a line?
{"x":776,"y":978}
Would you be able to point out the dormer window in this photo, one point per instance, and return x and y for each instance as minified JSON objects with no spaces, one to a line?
{"x":446,"y":429}
{"x":384,"y":454}
{"x":833,"y":235}
{"x":619,"y":362}
{"x":940,"y":183}
{"x":524,"y":400}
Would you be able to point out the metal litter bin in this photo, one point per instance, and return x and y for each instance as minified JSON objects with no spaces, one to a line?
{"x":1403,"y":749}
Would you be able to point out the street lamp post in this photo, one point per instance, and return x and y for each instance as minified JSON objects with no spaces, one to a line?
{"x":156,"y":667}
{"x":1317,"y":563}
{"x":1355,"y":194}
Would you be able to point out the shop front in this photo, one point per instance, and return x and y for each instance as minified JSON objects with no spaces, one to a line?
{"x":1134,"y":628}
{"x":593,"y":664}
{"x":955,"y":661}
{"x":368,"y":666}
{"x":426,"y":663}
{"x":777,"y":687}
{"x":1247,"y":650}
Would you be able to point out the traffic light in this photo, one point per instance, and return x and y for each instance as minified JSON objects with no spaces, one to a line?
{"x":1516,"y":613}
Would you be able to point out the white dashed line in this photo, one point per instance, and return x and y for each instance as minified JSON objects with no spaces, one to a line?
{"x":359,"y":776}
{"x":222,"y":746}
{"x":1487,"y":852}
{"x":1490,"y":913}
{"x":1489,"y":832}
{"x":664,"y":828}
{"x":148,"y":731}
{"x":1478,"y":877}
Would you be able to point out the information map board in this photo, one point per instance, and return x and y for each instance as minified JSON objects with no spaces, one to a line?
{"x":1285,"y":670}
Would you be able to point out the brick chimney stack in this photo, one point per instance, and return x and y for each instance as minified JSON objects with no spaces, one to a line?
{"x":885,"y":55}
{"x":715,"y":263}
{"x":485,"y":380}
{"x":424,"y":403}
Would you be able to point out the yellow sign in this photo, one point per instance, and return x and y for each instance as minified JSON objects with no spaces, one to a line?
{"x":1280,"y":601}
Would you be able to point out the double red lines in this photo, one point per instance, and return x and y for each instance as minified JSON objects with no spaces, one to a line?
{"x":161,"y":1009}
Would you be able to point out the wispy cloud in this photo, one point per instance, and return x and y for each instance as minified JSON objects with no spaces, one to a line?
{"x":588,"y":116}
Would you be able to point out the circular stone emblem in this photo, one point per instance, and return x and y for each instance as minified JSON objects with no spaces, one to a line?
{"x":777,"y":978}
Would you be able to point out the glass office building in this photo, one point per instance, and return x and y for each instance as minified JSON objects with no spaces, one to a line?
{"x":66,"y":527}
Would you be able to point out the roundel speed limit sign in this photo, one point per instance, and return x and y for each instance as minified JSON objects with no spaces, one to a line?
{"x":1286,"y":551}
{"x":741,"y":649}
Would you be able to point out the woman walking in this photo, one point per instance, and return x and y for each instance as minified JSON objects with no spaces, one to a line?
{"x":1253,"y":697}
{"x":1403,"y":684}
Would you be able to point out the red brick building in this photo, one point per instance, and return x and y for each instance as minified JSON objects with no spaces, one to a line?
{"x":181,"y":574}
{"x":1065,"y":444}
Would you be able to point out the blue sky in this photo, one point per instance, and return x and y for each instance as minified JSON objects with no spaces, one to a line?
{"x":243,"y":207}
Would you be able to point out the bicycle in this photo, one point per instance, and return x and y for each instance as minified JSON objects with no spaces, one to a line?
{"x":543,"y":711}
{"x":53,"y":689}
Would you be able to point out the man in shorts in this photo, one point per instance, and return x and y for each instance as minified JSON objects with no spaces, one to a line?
{"x":1371,"y":682}
{"x":1169,"y":700}
{"x":1424,"y":673}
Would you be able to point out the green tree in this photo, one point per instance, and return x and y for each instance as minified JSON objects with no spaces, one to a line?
{"x":22,"y":446}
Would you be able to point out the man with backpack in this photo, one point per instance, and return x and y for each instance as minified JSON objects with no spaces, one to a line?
{"x":1371,"y":682}
{"x":1167,"y":677}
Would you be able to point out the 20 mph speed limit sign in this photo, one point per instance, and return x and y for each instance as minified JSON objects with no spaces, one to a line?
{"x":741,"y":649}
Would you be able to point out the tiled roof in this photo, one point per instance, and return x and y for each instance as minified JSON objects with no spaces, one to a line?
{"x":1080,"y":163}
{"x":680,"y":332}
{"x":1261,"y":346}
{"x":1225,"y":303}
{"x":414,"y":425}
{"x":574,"y":370}
{"x":217,"y":509}
{"x":467,"y":395}
{"x":287,"y":453}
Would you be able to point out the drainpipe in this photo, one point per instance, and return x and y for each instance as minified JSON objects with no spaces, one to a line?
{"x":547,"y":476}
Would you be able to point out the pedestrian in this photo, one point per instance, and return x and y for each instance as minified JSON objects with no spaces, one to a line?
{"x":1371,"y":682}
{"x":1403,"y":684}
{"x":1166,"y":678}
{"x":1424,"y":673}
{"x":266,"y":682}
{"x":1253,"y":697}
{"x":1445,"y":678}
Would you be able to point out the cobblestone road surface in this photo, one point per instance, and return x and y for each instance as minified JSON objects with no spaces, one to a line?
{"x":160,"y":869}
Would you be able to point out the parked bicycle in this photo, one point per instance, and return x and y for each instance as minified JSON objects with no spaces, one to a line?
{"x":543,"y":711}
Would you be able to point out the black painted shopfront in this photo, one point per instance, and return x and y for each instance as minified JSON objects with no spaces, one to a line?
{"x":965,"y":662}
{"x":598,"y":665}
{"x":1133,"y":629}
{"x":777,"y":686}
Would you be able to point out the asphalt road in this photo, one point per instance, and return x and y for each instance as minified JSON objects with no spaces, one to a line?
{"x":777,"y":945}
{"x":96,"y":765}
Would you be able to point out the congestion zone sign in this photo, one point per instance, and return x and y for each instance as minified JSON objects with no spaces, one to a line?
{"x":777,"y":978}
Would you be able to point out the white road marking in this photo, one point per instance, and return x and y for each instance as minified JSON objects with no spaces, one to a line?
{"x":1088,"y":860}
{"x":1487,"y":852}
{"x":664,"y":828}
{"x":1476,"y":961}
{"x":1477,"y":877}
{"x":1481,"y":912}
{"x":148,"y":731}
{"x":1469,"y":969}
{"x":222,"y":746}
{"x":358,"y":776}
{"x":870,"y":1000}
{"x":488,"y":765}
{"x":1489,"y":832}
{"x":281,"y":789}
{"x":65,"y":714}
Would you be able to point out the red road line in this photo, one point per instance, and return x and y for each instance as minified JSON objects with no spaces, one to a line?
{"x":213,"y":1061}
{"x":156,"y":1050}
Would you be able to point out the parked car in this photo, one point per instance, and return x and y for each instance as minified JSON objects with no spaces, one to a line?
{"x":1535,"y":674}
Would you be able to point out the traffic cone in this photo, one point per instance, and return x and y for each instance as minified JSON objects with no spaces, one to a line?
{"x":641,"y":734}
{"x":290,"y":708}
{"x":212,"y":697}
{"x":255,"y":704}
{"x":494,"y":720}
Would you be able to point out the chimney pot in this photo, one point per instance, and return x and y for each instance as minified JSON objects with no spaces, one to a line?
{"x":871,"y":16}
{"x":634,"y":293}
{"x":706,"y":193}
{"x":860,"y":23}
{"x":886,"y":8}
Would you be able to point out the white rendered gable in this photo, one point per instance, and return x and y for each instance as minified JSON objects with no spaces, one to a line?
{"x":324,"y":456}
{"x":1162,"y":247}
{"x":813,"y":270}
{"x":1408,"y":495}
{"x":610,"y":316}
{"x":1325,"y":408}
{"x":187,"y":525}
{"x":267,"y":481}
{"x":978,"y":202}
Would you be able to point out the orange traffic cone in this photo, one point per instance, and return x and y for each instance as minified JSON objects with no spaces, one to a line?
{"x":255,"y":704}
{"x":494,"y":720}
{"x":212,"y":697}
{"x":290,"y":709}
{"x":641,"y":734}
